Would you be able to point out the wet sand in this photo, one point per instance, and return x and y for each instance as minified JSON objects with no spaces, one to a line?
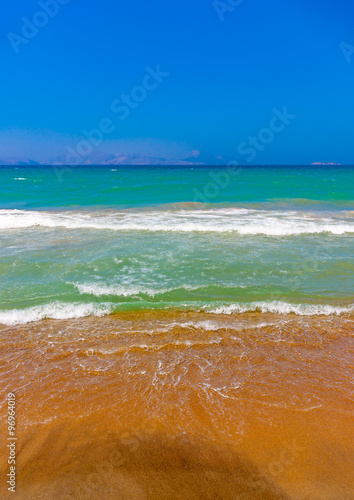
{"x":181,"y":405}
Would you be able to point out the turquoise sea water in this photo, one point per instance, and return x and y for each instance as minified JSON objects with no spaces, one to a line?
{"x":93,"y":240}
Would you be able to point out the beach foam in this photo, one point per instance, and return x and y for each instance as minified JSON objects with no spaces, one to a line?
{"x":53,"y":310}
{"x":64,"y":310}
{"x":127,"y":290}
{"x":244,"y":222}
{"x":279,"y":307}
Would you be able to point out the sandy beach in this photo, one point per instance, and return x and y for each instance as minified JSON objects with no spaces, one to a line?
{"x":181,"y":405}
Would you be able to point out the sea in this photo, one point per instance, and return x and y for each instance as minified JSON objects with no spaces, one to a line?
{"x":96,"y":240}
{"x":178,"y":332}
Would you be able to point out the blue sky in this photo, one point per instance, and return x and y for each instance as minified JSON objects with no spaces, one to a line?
{"x":225,"y":76}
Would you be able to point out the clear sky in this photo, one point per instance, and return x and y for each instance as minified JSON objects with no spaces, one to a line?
{"x":229,"y":66}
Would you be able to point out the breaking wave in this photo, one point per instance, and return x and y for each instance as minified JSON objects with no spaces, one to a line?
{"x":64,"y":310}
{"x":279,"y":307}
{"x":241,"y":221}
{"x":53,"y":310}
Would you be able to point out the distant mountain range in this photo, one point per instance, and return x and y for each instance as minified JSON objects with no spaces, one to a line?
{"x":101,"y":158}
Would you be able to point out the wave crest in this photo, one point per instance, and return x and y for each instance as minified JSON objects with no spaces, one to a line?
{"x":279,"y":307}
{"x":241,"y":221}
{"x":53,"y":310}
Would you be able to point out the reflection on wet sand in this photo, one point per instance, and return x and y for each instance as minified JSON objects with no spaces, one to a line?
{"x":182,"y":405}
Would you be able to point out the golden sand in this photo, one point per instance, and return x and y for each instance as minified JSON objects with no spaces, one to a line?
{"x":180,"y":406}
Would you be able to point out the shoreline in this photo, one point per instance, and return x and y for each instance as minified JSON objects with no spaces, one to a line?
{"x":61,"y":311}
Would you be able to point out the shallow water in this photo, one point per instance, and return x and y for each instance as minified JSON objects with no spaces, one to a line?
{"x":253,"y":404}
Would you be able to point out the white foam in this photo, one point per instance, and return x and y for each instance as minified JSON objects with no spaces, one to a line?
{"x":242,"y":221}
{"x":201,"y":325}
{"x":63,"y":310}
{"x":53,"y":310}
{"x":279,"y":307}
{"x":127,"y":290}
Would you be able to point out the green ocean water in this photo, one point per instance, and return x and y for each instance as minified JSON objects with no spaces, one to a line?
{"x":94,"y":240}
{"x":105,"y":186}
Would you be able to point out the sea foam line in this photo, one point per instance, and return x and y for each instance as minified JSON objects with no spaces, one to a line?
{"x":98,"y":290}
{"x":244,"y":222}
{"x":279,"y":307}
{"x":64,"y":310}
{"x":54,"y":310}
